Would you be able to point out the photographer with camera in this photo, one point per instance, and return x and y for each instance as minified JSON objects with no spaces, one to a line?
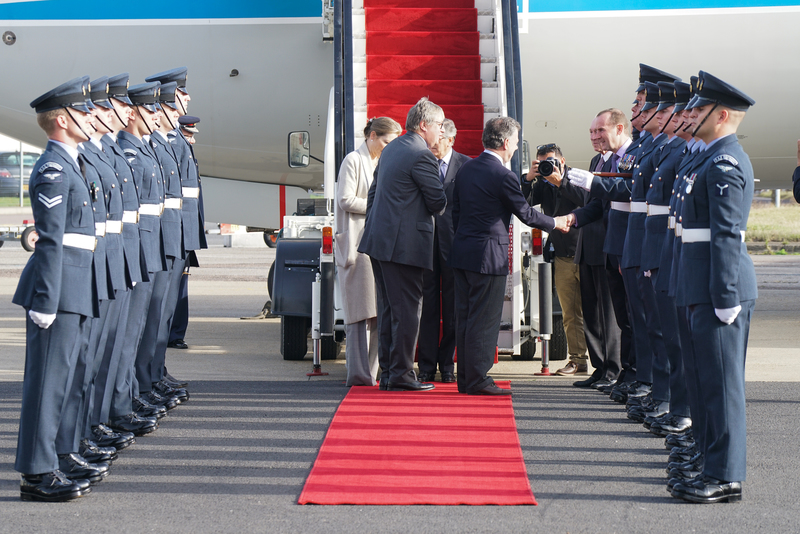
{"x":543,"y":185}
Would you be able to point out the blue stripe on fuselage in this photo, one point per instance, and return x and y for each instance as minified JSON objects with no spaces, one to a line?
{"x":543,"y":6}
{"x":158,"y":9}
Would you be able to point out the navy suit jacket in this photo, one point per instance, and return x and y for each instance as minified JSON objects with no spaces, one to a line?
{"x":401,"y":202}
{"x":444,"y":222}
{"x":485,"y":196}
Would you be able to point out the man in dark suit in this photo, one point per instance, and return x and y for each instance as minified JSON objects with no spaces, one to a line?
{"x":485,"y":196}
{"x":398,"y":237}
{"x":432,"y":349}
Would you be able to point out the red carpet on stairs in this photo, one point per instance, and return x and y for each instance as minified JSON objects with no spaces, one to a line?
{"x":436,"y":447}
{"x":430,"y":48}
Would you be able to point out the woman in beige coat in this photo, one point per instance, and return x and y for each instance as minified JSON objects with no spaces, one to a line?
{"x":356,"y":280}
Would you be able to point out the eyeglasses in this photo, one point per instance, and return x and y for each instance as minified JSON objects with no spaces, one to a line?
{"x":441,"y":124}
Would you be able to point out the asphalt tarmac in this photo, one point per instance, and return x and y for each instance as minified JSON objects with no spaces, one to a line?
{"x":235,"y":457}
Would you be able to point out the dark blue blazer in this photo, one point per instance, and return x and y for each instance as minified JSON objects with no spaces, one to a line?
{"x":401,"y":202}
{"x":443,"y":224}
{"x":719,"y":272}
{"x":485,"y":196}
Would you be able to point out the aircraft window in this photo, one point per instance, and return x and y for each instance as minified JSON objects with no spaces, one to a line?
{"x":299,"y":149}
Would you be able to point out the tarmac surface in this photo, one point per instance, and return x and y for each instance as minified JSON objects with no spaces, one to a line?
{"x":236,"y":456}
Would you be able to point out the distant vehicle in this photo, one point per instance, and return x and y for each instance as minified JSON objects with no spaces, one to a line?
{"x":9,"y":171}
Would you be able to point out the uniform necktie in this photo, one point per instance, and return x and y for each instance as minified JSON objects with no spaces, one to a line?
{"x":442,"y":170}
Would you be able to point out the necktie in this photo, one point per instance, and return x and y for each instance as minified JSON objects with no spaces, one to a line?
{"x":615,"y":162}
{"x":442,"y":170}
{"x":599,"y":166}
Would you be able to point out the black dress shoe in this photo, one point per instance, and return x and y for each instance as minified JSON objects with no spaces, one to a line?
{"x":603,"y":382}
{"x":105,"y":437}
{"x":676,"y":423}
{"x":154,"y":398}
{"x":165,"y":390}
{"x":686,"y":439}
{"x":383,"y":385}
{"x":425,"y":377}
{"x":178,"y":344}
{"x":48,"y":487}
{"x":677,"y":480}
{"x":142,"y":408}
{"x":138,"y":426}
{"x":708,"y":490}
{"x":607,"y":388}
{"x":409,"y":386}
{"x":448,"y":378}
{"x":178,"y":383}
{"x":74,"y":466}
{"x":682,"y":454}
{"x":491,"y":390}
{"x":586,"y":383}
{"x":619,"y":393}
{"x":93,"y":454}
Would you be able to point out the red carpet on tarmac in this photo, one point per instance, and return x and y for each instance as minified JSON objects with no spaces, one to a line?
{"x":436,"y":447}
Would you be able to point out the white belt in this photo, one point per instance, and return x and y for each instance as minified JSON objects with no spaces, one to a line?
{"x":86,"y":242}
{"x":173,"y":203}
{"x":99,"y":229}
{"x":638,"y":207}
{"x":621,"y":206}
{"x":190,"y":192}
{"x":150,"y":209}
{"x":130,"y":217}
{"x":700,"y":235}
{"x":114,"y":227}
{"x":678,"y":229}
{"x":653,"y":209}
{"x":671,"y":222}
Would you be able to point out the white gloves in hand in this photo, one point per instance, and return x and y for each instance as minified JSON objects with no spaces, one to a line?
{"x":727,"y":315}
{"x":647,"y":274}
{"x":581,"y":178}
{"x":42,"y":320}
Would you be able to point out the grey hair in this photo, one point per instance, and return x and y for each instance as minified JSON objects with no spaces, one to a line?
{"x":449,"y":128}
{"x":615,"y":117}
{"x":423,"y":111}
{"x":497,"y":130}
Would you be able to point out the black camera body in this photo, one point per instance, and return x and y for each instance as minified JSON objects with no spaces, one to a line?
{"x":548,"y":167}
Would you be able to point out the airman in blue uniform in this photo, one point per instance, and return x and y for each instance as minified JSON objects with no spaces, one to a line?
{"x":719,"y":284}
{"x":57,"y":291}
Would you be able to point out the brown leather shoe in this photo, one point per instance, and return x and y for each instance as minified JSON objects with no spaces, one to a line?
{"x":573,"y":368}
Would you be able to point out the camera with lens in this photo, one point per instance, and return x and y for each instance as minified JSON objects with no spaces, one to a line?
{"x":548,"y":167}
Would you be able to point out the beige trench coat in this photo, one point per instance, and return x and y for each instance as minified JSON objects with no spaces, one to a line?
{"x":356,"y":280}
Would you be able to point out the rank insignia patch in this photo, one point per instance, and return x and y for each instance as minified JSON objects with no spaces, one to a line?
{"x":722,"y":189}
{"x":51,"y":202}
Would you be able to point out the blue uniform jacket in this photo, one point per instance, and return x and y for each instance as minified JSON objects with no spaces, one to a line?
{"x":719,"y":272}
{"x":171,"y":217}
{"x":57,"y":277}
{"x":135,"y":268}
{"x":658,"y":194}
{"x":485,"y":196}
{"x":115,"y":259}
{"x":642,"y":173}
{"x":194,"y":236}
{"x":147,"y":177}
